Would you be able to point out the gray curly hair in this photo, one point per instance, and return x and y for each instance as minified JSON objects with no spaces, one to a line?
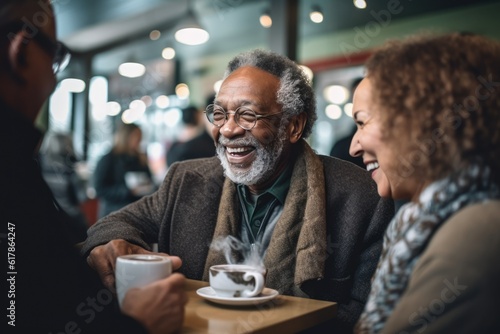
{"x":295,"y":94}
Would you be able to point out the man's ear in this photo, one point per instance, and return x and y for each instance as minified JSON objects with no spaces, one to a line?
{"x":296,"y":127}
{"x":17,"y":57}
{"x":17,"y":51}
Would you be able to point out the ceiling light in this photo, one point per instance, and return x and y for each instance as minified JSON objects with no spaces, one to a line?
{"x":168,"y":53}
{"x":148,"y":101}
{"x":348,"y":109}
{"x":172,"y":117}
{"x":154,"y":35}
{"x":265,"y":20}
{"x":131,"y":69}
{"x":132,"y":115}
{"x":182,"y":91}
{"x":73,"y":85}
{"x":217,"y":86}
{"x":190,"y":32}
{"x":192,"y":36}
{"x":162,"y":101}
{"x":308,"y":72}
{"x":336,"y":94}
{"x":129,"y":116}
{"x":333,"y":111}
{"x":98,"y":90}
{"x":361,"y":4}
{"x":316,"y":15}
{"x":138,"y":105}
{"x":113,"y":108}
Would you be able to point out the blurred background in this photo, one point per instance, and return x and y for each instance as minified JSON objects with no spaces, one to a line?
{"x":131,"y":65}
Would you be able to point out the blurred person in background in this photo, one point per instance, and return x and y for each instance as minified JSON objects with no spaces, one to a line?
{"x":52,"y":290}
{"x":195,"y":141}
{"x":428,"y":117}
{"x":122,"y":176}
{"x":58,"y":164}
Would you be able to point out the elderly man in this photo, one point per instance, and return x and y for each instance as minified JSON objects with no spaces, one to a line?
{"x":50,"y":287}
{"x":318,"y":220}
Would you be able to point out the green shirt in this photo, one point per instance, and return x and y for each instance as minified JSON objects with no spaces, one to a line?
{"x":257,"y":207}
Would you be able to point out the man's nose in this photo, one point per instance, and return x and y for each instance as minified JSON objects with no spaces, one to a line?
{"x":231,"y":128}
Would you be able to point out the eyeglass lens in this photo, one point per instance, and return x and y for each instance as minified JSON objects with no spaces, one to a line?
{"x":62,"y":57}
{"x":244,"y":117}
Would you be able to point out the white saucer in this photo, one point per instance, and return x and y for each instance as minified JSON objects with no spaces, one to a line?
{"x":209,"y":294}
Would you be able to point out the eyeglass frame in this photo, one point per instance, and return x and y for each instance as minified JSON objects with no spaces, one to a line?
{"x":236,"y":118}
{"x":59,"y":52}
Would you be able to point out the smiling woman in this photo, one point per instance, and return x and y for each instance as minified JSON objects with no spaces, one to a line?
{"x":428,"y":130}
{"x":368,"y":138}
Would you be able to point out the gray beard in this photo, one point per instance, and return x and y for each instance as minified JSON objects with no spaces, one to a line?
{"x":264,"y":164}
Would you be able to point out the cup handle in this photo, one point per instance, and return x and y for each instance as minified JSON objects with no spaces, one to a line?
{"x":259,"y":284}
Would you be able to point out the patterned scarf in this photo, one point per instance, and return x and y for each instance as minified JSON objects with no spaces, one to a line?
{"x":409,"y":233}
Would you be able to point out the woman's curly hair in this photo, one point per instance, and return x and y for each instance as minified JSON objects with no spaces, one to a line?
{"x":439,"y":102}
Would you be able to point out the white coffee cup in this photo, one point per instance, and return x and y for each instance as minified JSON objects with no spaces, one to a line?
{"x":236,"y":280}
{"x":137,"y":270}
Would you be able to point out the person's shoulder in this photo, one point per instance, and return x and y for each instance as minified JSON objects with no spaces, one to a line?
{"x":469,"y":239}
{"x":473,"y":229}
{"x":344,"y":172}
{"x":345,"y":180}
{"x":339,"y":166}
{"x":457,"y":270}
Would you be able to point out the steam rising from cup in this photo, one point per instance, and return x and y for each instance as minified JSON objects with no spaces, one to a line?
{"x":239,"y":252}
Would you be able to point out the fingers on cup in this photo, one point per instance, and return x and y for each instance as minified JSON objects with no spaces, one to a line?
{"x":139,"y":270}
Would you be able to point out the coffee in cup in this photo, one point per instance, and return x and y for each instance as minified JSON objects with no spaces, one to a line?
{"x":137,"y":270}
{"x":236,"y":280}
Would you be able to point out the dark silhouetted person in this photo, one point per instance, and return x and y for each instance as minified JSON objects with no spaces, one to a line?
{"x":52,"y":289}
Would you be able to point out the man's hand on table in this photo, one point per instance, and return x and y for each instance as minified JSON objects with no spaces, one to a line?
{"x":103,"y":258}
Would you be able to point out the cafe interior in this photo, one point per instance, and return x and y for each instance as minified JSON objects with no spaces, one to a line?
{"x":131,"y":63}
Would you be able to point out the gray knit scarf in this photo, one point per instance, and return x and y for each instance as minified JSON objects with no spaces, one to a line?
{"x":409,"y":233}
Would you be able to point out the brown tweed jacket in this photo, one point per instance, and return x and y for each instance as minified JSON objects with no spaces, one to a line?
{"x":325,"y":245}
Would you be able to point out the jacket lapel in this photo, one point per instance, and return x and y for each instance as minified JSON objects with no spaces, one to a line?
{"x":228,"y":223}
{"x":298,"y":245}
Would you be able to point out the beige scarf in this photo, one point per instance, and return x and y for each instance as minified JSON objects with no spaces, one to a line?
{"x":297,"y":251}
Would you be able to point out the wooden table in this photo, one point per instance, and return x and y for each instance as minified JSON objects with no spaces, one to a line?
{"x":283,"y":314}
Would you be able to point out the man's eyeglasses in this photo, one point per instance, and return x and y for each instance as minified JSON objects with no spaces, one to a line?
{"x":245,"y":117}
{"x":60,"y":54}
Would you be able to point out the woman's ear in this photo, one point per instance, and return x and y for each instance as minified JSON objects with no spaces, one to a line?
{"x":296,"y":127}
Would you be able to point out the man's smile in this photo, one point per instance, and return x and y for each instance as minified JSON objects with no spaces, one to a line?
{"x":240,"y":155}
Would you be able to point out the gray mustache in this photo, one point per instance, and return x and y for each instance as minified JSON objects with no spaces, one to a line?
{"x":238,"y":141}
